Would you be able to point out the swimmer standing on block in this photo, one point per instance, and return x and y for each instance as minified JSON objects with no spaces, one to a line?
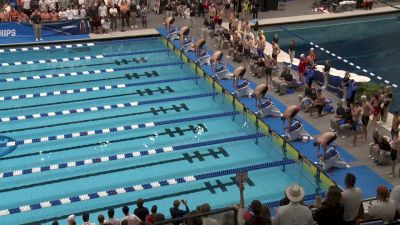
{"x":290,"y":115}
{"x":259,"y":94}
{"x":325,"y":140}
{"x":168,"y":22}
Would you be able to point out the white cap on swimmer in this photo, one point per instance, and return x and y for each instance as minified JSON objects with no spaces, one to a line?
{"x":311,"y":49}
{"x":302,"y":55}
{"x":363,"y":97}
{"x":71,"y":218}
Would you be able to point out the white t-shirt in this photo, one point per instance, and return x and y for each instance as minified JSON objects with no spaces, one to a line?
{"x":293,"y":214}
{"x":52,"y":4}
{"x":43,"y":6}
{"x":113,"y":11}
{"x":82,"y":13}
{"x":69,"y":14}
{"x":395,"y":196}
{"x":75,"y":14}
{"x":27,"y":4}
{"x":383,"y":210}
{"x":351,"y":201}
{"x":62,"y":15}
{"x":103,"y":11}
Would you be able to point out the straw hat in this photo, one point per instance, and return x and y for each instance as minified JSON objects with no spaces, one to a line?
{"x":295,"y":193}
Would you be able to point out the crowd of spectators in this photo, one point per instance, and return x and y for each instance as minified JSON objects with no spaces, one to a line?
{"x":337,"y":207}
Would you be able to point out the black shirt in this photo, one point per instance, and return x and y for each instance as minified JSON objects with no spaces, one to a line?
{"x":141,"y":212}
{"x":36,"y":19}
{"x":292,"y":47}
{"x":340,"y":111}
{"x":176,"y":213}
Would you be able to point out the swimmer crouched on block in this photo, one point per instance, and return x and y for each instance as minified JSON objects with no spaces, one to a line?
{"x":290,"y":115}
{"x":325,"y":140}
{"x":168,"y":22}
{"x":183,"y":32}
{"x":259,"y":93}
{"x":215,"y":60}
{"x":198,"y":46}
{"x":238,"y":75}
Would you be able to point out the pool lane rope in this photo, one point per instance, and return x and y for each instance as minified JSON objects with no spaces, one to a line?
{"x":339,"y":57}
{"x":78,"y":58}
{"x":103,"y":107}
{"x":86,"y":72}
{"x":91,"y":89}
{"x":140,"y":187}
{"x":122,"y":156}
{"x":113,"y":129}
{"x":67,"y":46}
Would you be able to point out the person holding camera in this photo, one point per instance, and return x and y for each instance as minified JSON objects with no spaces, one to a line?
{"x":176,"y":212}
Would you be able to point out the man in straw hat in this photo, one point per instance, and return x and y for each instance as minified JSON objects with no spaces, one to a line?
{"x":294,"y":212}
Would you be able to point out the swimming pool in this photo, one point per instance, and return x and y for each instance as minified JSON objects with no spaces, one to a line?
{"x":364,"y":45}
{"x":88,"y":126}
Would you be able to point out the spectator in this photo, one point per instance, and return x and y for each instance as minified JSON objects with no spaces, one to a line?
{"x":387,"y":99}
{"x":100,"y":218}
{"x":312,"y":57}
{"x":395,"y":125}
{"x":376,"y":137}
{"x":111,"y":220}
{"x":294,"y":212}
{"x":75,"y":13}
{"x":325,"y":73}
{"x":51,"y":5}
{"x":62,"y":15}
{"x":394,"y":156}
{"x":14,"y":15}
{"x":254,"y":9}
{"x":105,"y":25}
{"x":205,"y":208}
{"x":339,"y":116}
{"x":351,"y":200}
{"x":34,"y":5}
{"x":144,"y":16}
{"x":261,"y":215}
{"x":123,"y":9}
{"x":46,"y":17}
{"x":103,"y":11}
{"x":23,"y":18}
{"x":71,"y":219}
{"x":351,"y":92}
{"x":302,"y":67}
{"x":141,"y":211}
{"x":43,"y":5}
{"x":309,"y":75}
{"x":85,"y":218}
{"x":82,"y":12}
{"x":55,"y":223}
{"x":384,"y":208}
{"x":131,"y":219}
{"x":158,"y":217}
{"x":69,"y":13}
{"x":345,"y":85}
{"x":113,"y":18}
{"x":176,"y":212}
{"x":54,"y":16}
{"x":395,"y":197}
{"x":150,"y":217}
{"x":133,"y":11}
{"x":26,"y":7}
{"x":331,"y":212}
{"x":37,"y":25}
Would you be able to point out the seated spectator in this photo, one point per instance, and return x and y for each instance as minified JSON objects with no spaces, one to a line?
{"x":257,"y":66}
{"x":318,"y":103}
{"x":381,"y":150}
{"x":176,"y":212}
{"x":347,"y":123}
{"x":111,"y":220}
{"x":71,"y":220}
{"x":150,"y":218}
{"x":260,"y":214}
{"x":339,"y":115}
{"x":14,"y":15}
{"x":234,"y":43}
{"x":205,"y":208}
{"x":351,"y":200}
{"x":62,"y":15}
{"x":310,"y":95}
{"x":374,"y":144}
{"x":294,"y":212}
{"x":141,"y":211}
{"x":284,"y":82}
{"x":330,"y":212}
{"x":100,"y":218}
{"x":384,"y":208}
{"x":45,"y":16}
{"x":24,"y":18}
{"x":54,"y":16}
{"x":130,"y":219}
{"x":85,"y":218}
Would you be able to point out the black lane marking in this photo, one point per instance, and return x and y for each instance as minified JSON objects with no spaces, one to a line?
{"x":138,"y":91}
{"x":168,"y":131}
{"x":153,"y":111}
{"x":197,"y":154}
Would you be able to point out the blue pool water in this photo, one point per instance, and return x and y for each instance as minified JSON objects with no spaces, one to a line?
{"x":90,"y":128}
{"x":370,"y":42}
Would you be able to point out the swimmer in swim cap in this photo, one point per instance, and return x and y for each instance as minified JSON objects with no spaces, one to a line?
{"x":168,"y":22}
{"x":238,"y":75}
{"x":325,"y":140}
{"x":290,"y":115}
{"x":259,"y":94}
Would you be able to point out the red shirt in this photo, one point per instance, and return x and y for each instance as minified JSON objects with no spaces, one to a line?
{"x":303,"y":66}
